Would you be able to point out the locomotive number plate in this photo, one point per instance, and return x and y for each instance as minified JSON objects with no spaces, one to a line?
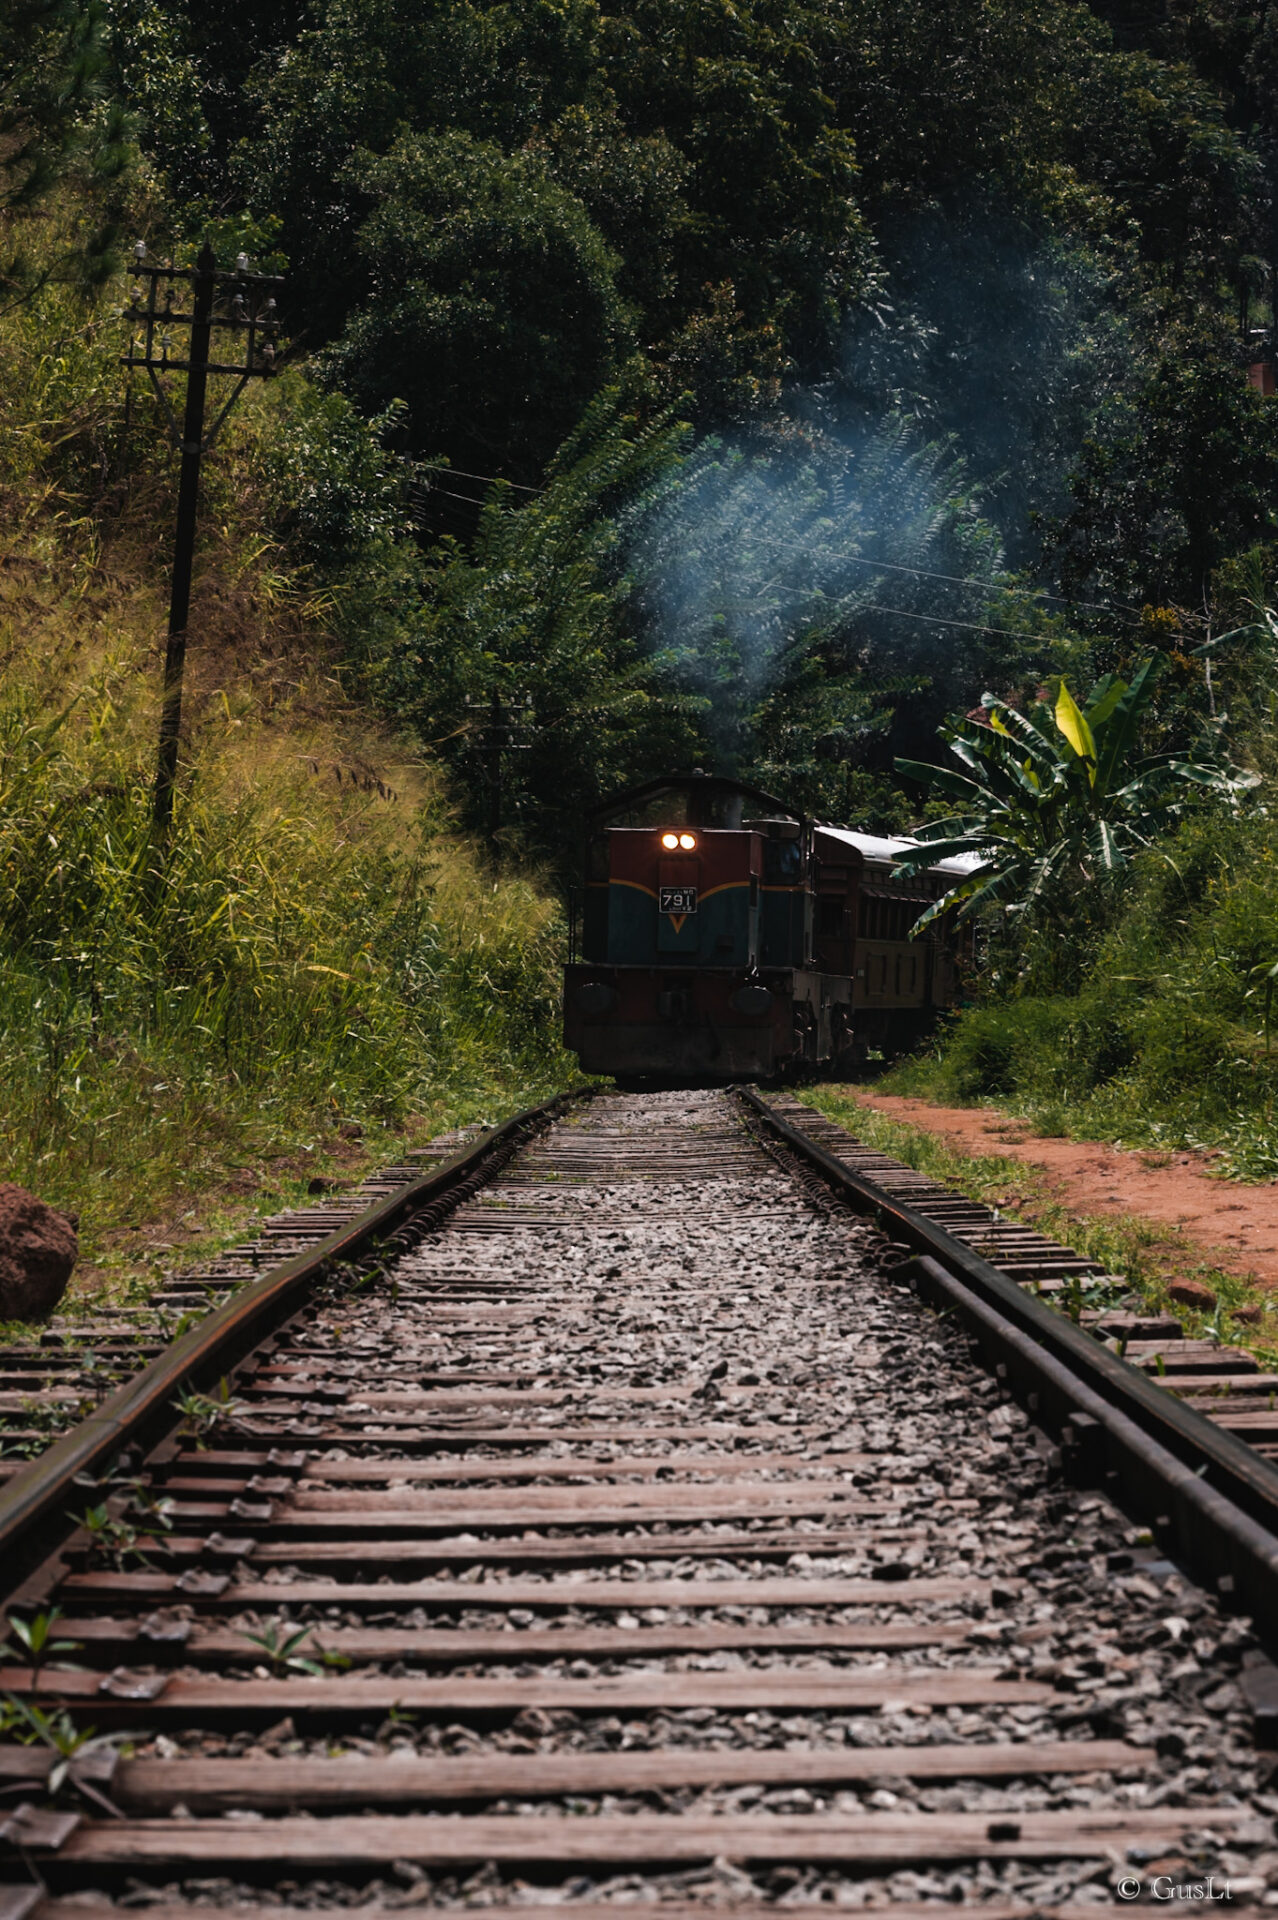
{"x":677,"y":900}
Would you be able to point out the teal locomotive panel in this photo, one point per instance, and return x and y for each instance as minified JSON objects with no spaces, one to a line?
{"x":719,"y":933}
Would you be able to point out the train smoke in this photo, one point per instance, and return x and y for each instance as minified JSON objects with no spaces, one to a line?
{"x":755,"y":556}
{"x":951,"y":421}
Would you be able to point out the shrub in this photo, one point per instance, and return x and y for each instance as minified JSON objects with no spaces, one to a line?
{"x":1169,"y":1039}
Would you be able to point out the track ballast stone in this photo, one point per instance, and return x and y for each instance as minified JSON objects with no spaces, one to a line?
{"x":642,"y":1367}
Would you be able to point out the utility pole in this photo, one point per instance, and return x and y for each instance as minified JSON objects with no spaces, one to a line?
{"x":507,"y":724}
{"x":239,"y":304}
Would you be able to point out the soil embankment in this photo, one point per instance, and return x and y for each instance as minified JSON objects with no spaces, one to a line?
{"x":1235,"y":1226}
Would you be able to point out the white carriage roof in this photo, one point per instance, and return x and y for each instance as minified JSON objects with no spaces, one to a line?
{"x":871,"y":846}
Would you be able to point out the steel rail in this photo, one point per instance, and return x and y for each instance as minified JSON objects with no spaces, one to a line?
{"x":33,"y":1517}
{"x":1102,"y":1444}
{"x":1213,"y":1498}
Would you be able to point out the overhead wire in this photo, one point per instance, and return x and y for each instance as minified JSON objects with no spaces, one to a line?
{"x":950,"y":579}
{"x":490,"y":479}
{"x":849,"y":559}
{"x":446,"y":493}
{"x":940,"y":620}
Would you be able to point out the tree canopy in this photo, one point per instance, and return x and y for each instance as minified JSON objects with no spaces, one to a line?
{"x":947,"y":300}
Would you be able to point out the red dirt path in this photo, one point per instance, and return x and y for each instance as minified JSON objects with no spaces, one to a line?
{"x":1236,"y":1227}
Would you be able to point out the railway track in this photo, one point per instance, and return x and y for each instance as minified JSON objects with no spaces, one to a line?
{"x":79,"y":1358}
{"x":626,"y":1530}
{"x":1223,"y":1382}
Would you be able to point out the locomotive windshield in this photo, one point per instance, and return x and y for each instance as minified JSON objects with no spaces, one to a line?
{"x":684,"y":804}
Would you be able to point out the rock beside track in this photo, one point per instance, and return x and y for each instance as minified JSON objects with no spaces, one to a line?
{"x":1192,"y":1293}
{"x":38,"y":1249}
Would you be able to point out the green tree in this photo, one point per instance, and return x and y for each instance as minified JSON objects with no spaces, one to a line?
{"x":492,"y":310}
{"x":369,"y":75}
{"x":154,"y":74}
{"x":1150,"y":134}
{"x":57,"y":124}
{"x":1052,"y":212}
{"x":535,"y":611}
{"x":1001,"y":333}
{"x":772,"y":176}
{"x":1171,"y":483}
{"x":700,"y":144}
{"x":341,"y":498}
{"x":846,"y":591}
{"x":817,"y":737}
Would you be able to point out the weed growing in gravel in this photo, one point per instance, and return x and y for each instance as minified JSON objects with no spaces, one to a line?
{"x":34,"y":1644}
{"x":203,"y":1413}
{"x":67,"y":1743}
{"x":286,"y":1651}
{"x":42,"y":1421}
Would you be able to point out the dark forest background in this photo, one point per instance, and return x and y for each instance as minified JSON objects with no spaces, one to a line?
{"x":744,"y":384}
{"x":749,"y":386}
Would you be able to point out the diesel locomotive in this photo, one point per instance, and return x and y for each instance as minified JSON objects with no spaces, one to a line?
{"x":725,"y":936}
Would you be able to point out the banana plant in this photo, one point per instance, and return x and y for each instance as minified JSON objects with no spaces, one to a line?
{"x":1056,"y":798}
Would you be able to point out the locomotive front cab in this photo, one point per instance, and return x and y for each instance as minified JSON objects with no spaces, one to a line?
{"x":727,"y":936}
{"x":697,"y":914}
{"x":669,"y":820}
{"x":683,"y":897}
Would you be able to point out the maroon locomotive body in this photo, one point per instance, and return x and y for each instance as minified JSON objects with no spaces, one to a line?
{"x":726,"y":936}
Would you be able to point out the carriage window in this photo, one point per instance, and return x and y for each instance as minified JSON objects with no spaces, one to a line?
{"x":829,"y":916}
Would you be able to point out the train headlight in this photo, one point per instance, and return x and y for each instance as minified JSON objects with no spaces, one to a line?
{"x":669,"y":841}
{"x":687,"y":841}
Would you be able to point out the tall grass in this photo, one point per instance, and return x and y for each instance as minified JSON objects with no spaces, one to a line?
{"x":299,"y":964}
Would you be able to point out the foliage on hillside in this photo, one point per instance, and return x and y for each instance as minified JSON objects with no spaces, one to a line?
{"x":757,"y":386}
{"x":61,"y":121}
{"x":324,"y":946}
{"x":1169,"y":1040}
{"x":1145,"y":1011}
{"x":1006,"y":240}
